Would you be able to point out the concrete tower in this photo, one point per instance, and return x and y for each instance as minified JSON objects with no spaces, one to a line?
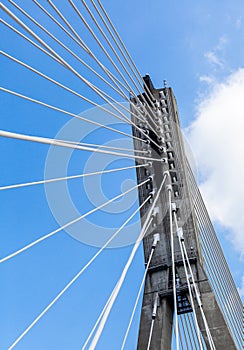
{"x":163,"y":127}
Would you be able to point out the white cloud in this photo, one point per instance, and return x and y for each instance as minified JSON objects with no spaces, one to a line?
{"x":207,"y":79}
{"x":217,"y":140}
{"x":223,"y":40}
{"x":213,"y":59}
{"x":213,"y":56}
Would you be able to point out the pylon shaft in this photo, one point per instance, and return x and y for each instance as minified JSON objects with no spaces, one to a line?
{"x":167,"y":268}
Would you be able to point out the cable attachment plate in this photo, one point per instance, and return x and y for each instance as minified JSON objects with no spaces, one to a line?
{"x":156,"y":239}
{"x":169,"y":188}
{"x":180,"y":233}
{"x":173,"y":207}
{"x":155,"y":306}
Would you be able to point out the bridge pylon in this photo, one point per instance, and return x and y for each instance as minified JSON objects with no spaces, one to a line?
{"x":177,"y":283}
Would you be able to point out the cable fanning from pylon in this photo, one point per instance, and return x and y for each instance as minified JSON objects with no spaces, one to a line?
{"x":154,"y":314}
{"x":45,"y":181}
{"x":68,"y":66}
{"x":69,"y":113}
{"x":84,"y":47}
{"x":126,"y":268}
{"x":147,"y":90}
{"x":187,"y":274}
{"x":120,"y":92}
{"x":156,"y":240}
{"x":224,"y":281}
{"x":59,"y":59}
{"x":108,"y":301}
{"x":80,"y":42}
{"x":169,"y":190}
{"x":68,"y":224}
{"x":74,"y":279}
{"x":59,"y":84}
{"x":63,"y":62}
{"x":115,"y":53}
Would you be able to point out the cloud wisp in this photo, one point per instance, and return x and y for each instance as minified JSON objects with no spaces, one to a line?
{"x":215,"y":56}
{"x":217,"y":140}
{"x":213,"y":59}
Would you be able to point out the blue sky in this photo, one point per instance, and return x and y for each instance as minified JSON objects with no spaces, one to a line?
{"x":198,"y":48}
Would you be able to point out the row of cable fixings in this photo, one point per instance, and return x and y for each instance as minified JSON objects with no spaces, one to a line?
{"x":141,"y":111}
{"x":160,"y":108}
{"x":148,"y":189}
{"x":167,"y":134}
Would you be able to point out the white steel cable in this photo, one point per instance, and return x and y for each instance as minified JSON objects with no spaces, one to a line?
{"x":173,"y":268}
{"x":183,"y":164}
{"x":224,"y":281}
{"x":100,"y":44}
{"x":33,"y":183}
{"x":81,"y":43}
{"x":56,"y":82}
{"x":106,"y":305}
{"x":210,"y":247}
{"x":78,"y":40}
{"x":72,"y":281}
{"x":59,"y":42}
{"x":208,"y":232}
{"x":191,"y":297}
{"x":185,"y":340}
{"x":69,"y":113}
{"x":68,"y":66}
{"x":126,"y":268}
{"x":219,"y":286}
{"x":203,"y":341}
{"x":86,"y":99}
{"x":188,"y":281}
{"x":209,"y":336}
{"x":137,"y":298}
{"x":155,"y":305}
{"x":28,"y":39}
{"x":123,"y":45}
{"x":108,"y":56}
{"x":233,"y":317}
{"x":79,"y":59}
{"x":62,"y":143}
{"x":121,"y":51}
{"x":191,"y":329}
{"x":181,"y":341}
{"x":97,"y":322}
{"x":180,"y":335}
{"x":114,"y":51}
{"x":84,"y":46}
{"x":97,"y":146}
{"x":228,"y":292}
{"x":57,"y":60}
{"x":89,"y":51}
{"x":179,"y":153}
{"x":70,"y":223}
